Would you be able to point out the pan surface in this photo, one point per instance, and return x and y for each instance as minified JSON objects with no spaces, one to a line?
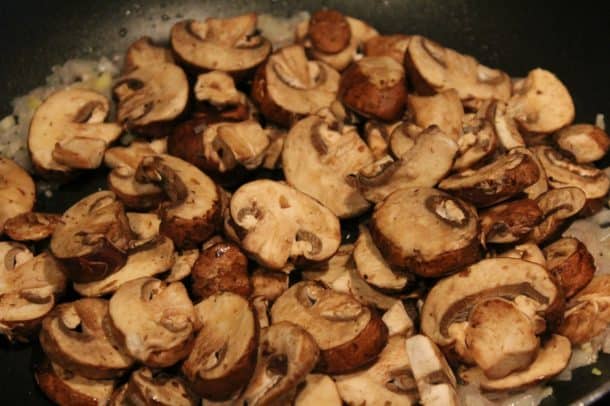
{"x":572,"y":40}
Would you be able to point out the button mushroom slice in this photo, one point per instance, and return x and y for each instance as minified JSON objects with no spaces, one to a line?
{"x":231,"y":45}
{"x":587,"y":143}
{"x":218,"y":89}
{"x":277,"y":223}
{"x":68,"y":132}
{"x":150,"y":388}
{"x":402,"y":138}
{"x":220,"y":268}
{"x":92,"y":238}
{"x":289,"y":86}
{"x":477,"y":142}
{"x":31,"y":226}
{"x":388,"y":381}
{"x":268,"y":284}
{"x":73,"y":336}
{"x":228,"y":145}
{"x":224,"y":354}
{"x":541,"y":185}
{"x":17,"y":191}
{"x":132,"y":154}
{"x":393,"y":46}
{"x":424,"y":165}
{"x":318,"y":390}
{"x":398,"y":320}
{"x":377,"y":138}
{"x":193,"y":211}
{"x":317,"y":158}
{"x":509,"y":222}
{"x":570,"y":261}
{"x":433,"y":376}
{"x":401,"y":222}
{"x":443,"y":109}
{"x":552,"y":358}
{"x":528,"y":252}
{"x":502,"y":179}
{"x":183,"y":265}
{"x":145,"y":227}
{"x":557,"y":206}
{"x":144,"y":52}
{"x":272,"y":158}
{"x":349,"y":334}
{"x":541,"y":103}
{"x":504,"y":125}
{"x":434,"y":68}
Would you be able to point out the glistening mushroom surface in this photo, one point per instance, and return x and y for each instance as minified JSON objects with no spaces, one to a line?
{"x":17,"y":191}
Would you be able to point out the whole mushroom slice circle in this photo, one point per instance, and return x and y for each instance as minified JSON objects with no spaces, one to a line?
{"x":587,"y":143}
{"x":570,"y":261}
{"x":224,"y":354}
{"x":401,"y":224}
{"x":17,"y":191}
{"x":157,"y":388}
{"x":276,"y":223}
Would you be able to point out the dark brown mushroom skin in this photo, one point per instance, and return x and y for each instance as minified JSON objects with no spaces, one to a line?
{"x":572,"y":267}
{"x":265,"y":103}
{"x":516,"y":218}
{"x":329,"y":31}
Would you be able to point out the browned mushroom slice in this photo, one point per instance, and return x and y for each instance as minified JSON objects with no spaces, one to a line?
{"x":552,"y":358}
{"x":268,"y":284}
{"x":377,"y":138}
{"x":218,"y":89}
{"x":398,"y":320}
{"x":329,"y":31}
{"x":541,"y":185}
{"x":505,"y":177}
{"x":434,"y":68}
{"x":318,"y":390}
{"x":509,"y":222}
{"x":443,"y":109}
{"x":317,"y":159}
{"x":570,"y":261}
{"x":131,"y":155}
{"x":426,"y":163}
{"x":183,"y":265}
{"x":400,"y":224}
{"x":349,"y":334}
{"x":230,"y":45}
{"x":402,"y":138}
{"x":149,"y":388}
{"x":393,"y":46}
{"x":541,"y":103}
{"x":504,"y":126}
{"x":144,"y":52}
{"x":477,"y":142}
{"x":587,"y":143}
{"x":388,"y":381}
{"x":68,"y":132}
{"x":528,"y":252}
{"x":557,"y":205}
{"x":145,"y":227}
{"x":31,"y":226}
{"x":276,"y":223}
{"x":73,"y":336}
{"x":224,"y":354}
{"x":29,"y":289}
{"x":17,"y":191}
{"x":272,"y":158}
{"x":92,"y":238}
{"x":288,"y":86}
{"x":220,"y":268}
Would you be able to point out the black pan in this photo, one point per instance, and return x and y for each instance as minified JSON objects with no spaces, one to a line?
{"x":572,"y":40}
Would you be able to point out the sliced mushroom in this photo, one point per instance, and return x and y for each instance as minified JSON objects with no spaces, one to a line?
{"x":557,"y":206}
{"x":426,"y":163}
{"x":231,"y":45}
{"x":144,"y":308}
{"x":276,"y":223}
{"x":477,"y":142}
{"x":398,"y":320}
{"x":541,"y":103}
{"x":349,"y":334}
{"x":218,"y":89}
{"x":149,"y":388}
{"x":318,"y":390}
{"x":393,"y":46}
{"x":145,"y":227}
{"x":552,"y":358}
{"x":374,"y":87}
{"x":74,"y":337}
{"x":570,"y":261}
{"x":586,"y":142}
{"x":220,"y":268}
{"x":402,"y":138}
{"x":541,"y":185}
{"x":377,"y":138}
{"x":401,"y":224}
{"x":388,"y":381}
{"x":268,"y":284}
{"x":31,"y":226}
{"x":509,"y":222}
{"x":17,"y":191}
{"x":224,"y":354}
{"x":144,"y":52}
{"x":443,"y":109}
{"x":183,"y":265}
{"x":272,"y":158}
{"x":289,"y":86}
{"x":528,"y":252}
{"x":317,"y":158}
{"x":328,"y":31}
{"x":68,"y":132}
{"x":505,"y":177}
{"x":228,"y":145}
{"x":132,"y":154}
{"x":504,"y":125}
{"x":92,"y":238}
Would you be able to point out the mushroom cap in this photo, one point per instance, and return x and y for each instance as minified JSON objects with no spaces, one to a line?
{"x":586,"y":142}
{"x":17,"y":191}
{"x":570,"y":261}
{"x":329,"y":31}
{"x":31,"y":226}
{"x":146,"y":387}
{"x":393,"y":46}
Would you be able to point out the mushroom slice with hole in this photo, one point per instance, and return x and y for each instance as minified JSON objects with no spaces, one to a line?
{"x":541,"y":185}
{"x":268,"y":284}
{"x":317,"y":158}
{"x":150,"y":97}
{"x":193,"y":211}
{"x":349,"y":334}
{"x":504,"y":125}
{"x":231,"y":45}
{"x":477,"y":142}
{"x":289,"y":86}
{"x":29,"y":289}
{"x":434,"y":68}
{"x":509,"y":222}
{"x":393,"y":46}
{"x":92,"y":238}
{"x":443,"y":109}
{"x":398,"y":321}
{"x":502,"y":179}
{"x":220,"y":268}
{"x":401,"y":223}
{"x":143,"y":53}
{"x":528,"y":252}
{"x":541,"y":103}
{"x":318,"y":390}
{"x":153,"y":321}
{"x":388,"y":381}
{"x":587,"y":143}
{"x":68,"y":132}
{"x":74,"y":336}
{"x":433,"y":376}
{"x":426,"y":163}
{"x":17,"y":191}
{"x":31,"y":226}
{"x":224,"y":354}
{"x":572,"y":264}
{"x":557,"y":206}
{"x":552,"y":358}
{"x":66,"y":388}
{"x":277,"y":223}
{"x":150,"y":388}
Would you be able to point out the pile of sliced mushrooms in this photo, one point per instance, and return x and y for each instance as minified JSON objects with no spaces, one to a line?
{"x":214,"y":266}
